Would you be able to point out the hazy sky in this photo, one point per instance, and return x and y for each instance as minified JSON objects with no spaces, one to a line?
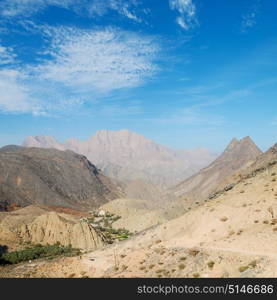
{"x":186,"y":73}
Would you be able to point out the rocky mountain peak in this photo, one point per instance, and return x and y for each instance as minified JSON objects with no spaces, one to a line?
{"x":240,"y":149}
{"x":238,"y":154}
{"x":234,"y":142}
{"x":247,"y":141}
{"x":123,"y":137}
{"x":42,"y":142}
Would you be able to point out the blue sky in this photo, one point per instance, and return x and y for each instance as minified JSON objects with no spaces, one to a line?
{"x":185,"y":73}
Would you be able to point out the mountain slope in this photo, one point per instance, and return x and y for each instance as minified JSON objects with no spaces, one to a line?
{"x":126,"y":155}
{"x":135,"y":214}
{"x":233,"y":235}
{"x":52,"y":177}
{"x":238,"y":155}
{"x":263,"y":161}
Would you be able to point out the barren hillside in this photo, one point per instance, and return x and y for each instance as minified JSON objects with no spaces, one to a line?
{"x":238,"y":155}
{"x":52,"y":177}
{"x":233,"y":235}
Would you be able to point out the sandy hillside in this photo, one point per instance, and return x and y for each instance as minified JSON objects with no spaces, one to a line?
{"x":233,"y":235}
{"x":43,"y":225}
{"x":134,"y":213}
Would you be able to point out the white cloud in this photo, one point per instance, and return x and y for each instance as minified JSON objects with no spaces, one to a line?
{"x":26,"y":8}
{"x":12,"y":8}
{"x":187,"y":13}
{"x":15,"y":94}
{"x":21,"y":92}
{"x":81,"y":66}
{"x":7,"y":56}
{"x":249,"y":20}
{"x":123,"y":7}
{"x":98,"y":61}
{"x":130,"y":9}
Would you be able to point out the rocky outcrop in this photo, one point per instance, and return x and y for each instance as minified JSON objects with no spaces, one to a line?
{"x":126,"y":155}
{"x":238,"y":155}
{"x":52,"y":177}
{"x":38,"y":225}
{"x":262,"y":163}
{"x":51,"y":228}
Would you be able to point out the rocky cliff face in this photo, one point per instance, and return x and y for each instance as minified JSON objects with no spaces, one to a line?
{"x":52,"y":177}
{"x":238,"y":155}
{"x":39,"y":225}
{"x":51,"y":228}
{"x":126,"y":155}
{"x":264,"y":160}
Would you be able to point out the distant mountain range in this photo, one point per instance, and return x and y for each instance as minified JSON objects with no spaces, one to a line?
{"x":137,"y":162}
{"x":126,"y":155}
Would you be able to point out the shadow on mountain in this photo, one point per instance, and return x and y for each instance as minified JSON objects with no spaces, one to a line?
{"x":3,"y":250}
